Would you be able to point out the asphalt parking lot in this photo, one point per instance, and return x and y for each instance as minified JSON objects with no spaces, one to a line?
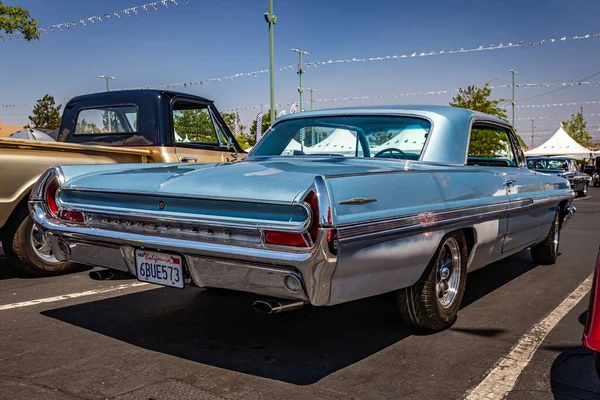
{"x":70,"y":337}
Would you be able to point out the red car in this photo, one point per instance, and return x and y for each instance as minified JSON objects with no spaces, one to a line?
{"x":591,"y":334}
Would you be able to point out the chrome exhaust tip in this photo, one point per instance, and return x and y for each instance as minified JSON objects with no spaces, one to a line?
{"x":276,"y":306}
{"x":102,"y":275}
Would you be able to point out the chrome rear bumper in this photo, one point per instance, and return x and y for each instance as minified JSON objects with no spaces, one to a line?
{"x":257,"y":270}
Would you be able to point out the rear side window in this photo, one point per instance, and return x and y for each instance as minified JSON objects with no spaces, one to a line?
{"x":490,"y":146}
{"x":106,"y":120}
{"x":193,"y":124}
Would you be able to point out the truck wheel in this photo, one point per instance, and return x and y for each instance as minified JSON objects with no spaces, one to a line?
{"x":547,"y":251}
{"x":583,"y":192}
{"x":26,"y":247}
{"x":433,"y":301}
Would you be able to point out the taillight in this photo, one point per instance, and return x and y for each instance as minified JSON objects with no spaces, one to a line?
{"x":73,"y":216}
{"x":51,"y":192}
{"x":298,"y":239}
{"x":313,"y":202}
{"x":285,"y":239}
{"x":51,"y":195}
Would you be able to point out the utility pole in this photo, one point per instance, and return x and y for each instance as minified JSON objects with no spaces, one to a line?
{"x":531,"y":132}
{"x":311,"y":97}
{"x":300,"y":72}
{"x":581,"y":108}
{"x":107,"y":78}
{"x":513,"y":96}
{"x":271,"y":20}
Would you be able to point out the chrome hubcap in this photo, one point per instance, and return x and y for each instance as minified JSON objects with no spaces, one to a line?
{"x":448,"y":272}
{"x":556,"y":235}
{"x":40,"y":245}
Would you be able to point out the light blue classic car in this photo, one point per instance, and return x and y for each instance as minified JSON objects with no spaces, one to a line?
{"x":329,"y":207}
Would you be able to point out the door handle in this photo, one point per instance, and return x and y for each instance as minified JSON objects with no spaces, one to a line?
{"x":509,"y":183}
{"x":188,"y":159}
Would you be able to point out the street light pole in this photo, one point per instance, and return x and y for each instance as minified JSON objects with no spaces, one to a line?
{"x":107,"y":78}
{"x":513,"y":96}
{"x":271,"y":20}
{"x":300,"y":72}
{"x":531,"y":132}
{"x":311,"y":97}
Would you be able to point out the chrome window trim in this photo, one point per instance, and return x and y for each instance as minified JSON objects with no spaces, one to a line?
{"x":507,"y":127}
{"x":399,"y":115}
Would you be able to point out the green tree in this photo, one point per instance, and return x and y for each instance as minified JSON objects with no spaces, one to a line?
{"x":14,"y":19}
{"x":194,"y":125}
{"x":576,"y":128}
{"x":478,"y":99}
{"x":46,"y":113}
{"x":475,"y":98}
{"x":243,"y":138}
{"x":86,"y":127}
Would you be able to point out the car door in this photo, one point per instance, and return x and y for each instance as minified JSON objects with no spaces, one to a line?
{"x":197,"y":133}
{"x":491,"y":148}
{"x":529,"y":211}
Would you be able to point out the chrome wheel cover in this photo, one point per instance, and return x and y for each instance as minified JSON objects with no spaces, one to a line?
{"x":447,"y":278}
{"x":40,"y":245}
{"x":556,"y":237}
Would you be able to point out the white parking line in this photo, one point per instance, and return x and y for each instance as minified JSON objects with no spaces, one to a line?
{"x":501,"y":379}
{"x":582,"y":198}
{"x":70,"y":296}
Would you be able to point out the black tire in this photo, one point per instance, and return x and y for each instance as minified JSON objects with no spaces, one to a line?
{"x":420,"y":305}
{"x":583,"y":192}
{"x":19,"y":249}
{"x":597,"y":362}
{"x":547,"y":252}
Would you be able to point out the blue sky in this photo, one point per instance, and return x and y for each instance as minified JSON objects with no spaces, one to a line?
{"x":208,"y":39}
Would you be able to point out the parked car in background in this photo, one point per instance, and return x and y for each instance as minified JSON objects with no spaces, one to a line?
{"x":593,"y":170}
{"x":400,"y":199}
{"x":564,"y":167}
{"x":130,"y":126}
{"x":591,"y":333}
{"x":33,"y":134}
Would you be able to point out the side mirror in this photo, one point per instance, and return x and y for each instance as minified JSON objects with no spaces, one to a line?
{"x":231,"y":147}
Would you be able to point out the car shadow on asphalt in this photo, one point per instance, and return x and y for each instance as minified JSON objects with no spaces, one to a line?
{"x":573,"y":375}
{"x":220,"y":328}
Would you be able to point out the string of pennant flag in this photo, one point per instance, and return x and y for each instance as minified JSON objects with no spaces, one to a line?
{"x":394,"y":96}
{"x":94,"y":19}
{"x":342,"y":61}
{"x":430,"y":93}
{"x":554,"y":117}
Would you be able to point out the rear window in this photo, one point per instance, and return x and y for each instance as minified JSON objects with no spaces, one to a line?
{"x":106,"y":120}
{"x":374,"y":136}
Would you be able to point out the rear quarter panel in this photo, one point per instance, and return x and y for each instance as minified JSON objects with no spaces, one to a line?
{"x":375,"y":263}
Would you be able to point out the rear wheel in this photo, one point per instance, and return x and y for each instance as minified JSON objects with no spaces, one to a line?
{"x":547,"y":251}
{"x":27,"y":249}
{"x":433,"y":302}
{"x":597,"y":362}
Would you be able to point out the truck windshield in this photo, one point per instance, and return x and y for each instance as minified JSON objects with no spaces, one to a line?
{"x":347,"y":136}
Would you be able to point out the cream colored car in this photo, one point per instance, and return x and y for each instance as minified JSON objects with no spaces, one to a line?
{"x":130,"y":126}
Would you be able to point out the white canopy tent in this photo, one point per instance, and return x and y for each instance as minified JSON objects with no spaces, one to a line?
{"x":561,"y":144}
{"x":341,"y":141}
{"x":410,"y":140}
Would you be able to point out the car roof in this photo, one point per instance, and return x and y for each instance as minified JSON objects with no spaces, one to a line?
{"x":449,"y":112}
{"x":132,"y":94}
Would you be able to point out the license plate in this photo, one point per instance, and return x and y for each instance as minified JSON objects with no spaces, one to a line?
{"x":161,"y":268}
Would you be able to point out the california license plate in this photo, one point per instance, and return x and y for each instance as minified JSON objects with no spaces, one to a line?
{"x":160,"y":268}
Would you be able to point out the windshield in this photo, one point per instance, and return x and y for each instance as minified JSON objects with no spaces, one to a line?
{"x":347,"y":136}
{"x":553,"y":163}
